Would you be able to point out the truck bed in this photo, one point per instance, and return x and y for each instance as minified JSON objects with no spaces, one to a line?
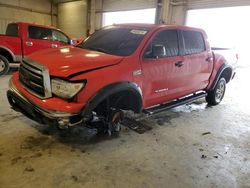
{"x":229,"y":54}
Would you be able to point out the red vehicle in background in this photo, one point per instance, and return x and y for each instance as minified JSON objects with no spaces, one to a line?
{"x":22,"y":39}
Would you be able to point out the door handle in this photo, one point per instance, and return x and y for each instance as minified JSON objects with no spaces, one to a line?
{"x":54,"y":45}
{"x":29,"y":43}
{"x":209,"y":59}
{"x":179,"y":64}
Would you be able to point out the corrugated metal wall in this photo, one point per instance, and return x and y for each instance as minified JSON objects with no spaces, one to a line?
{"x":72,"y":18}
{"x":31,"y":11}
{"x":199,"y":4}
{"x":121,"y":5}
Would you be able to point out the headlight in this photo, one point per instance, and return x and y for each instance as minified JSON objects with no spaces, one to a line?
{"x":65,"y":89}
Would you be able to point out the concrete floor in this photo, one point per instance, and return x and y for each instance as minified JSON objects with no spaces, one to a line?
{"x":175,"y":153}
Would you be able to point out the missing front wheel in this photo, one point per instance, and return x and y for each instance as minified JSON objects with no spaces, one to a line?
{"x":109,"y":125}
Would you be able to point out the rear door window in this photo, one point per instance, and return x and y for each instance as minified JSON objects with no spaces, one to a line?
{"x":40,"y":33}
{"x":193,"y":42}
{"x":12,"y":30}
{"x":166,"y":38}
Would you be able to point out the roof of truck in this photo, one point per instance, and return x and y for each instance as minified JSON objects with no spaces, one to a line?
{"x":45,"y":26}
{"x":157,"y":26}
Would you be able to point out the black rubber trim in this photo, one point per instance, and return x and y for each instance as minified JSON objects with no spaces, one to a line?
{"x":110,"y":90}
{"x":218,"y":75}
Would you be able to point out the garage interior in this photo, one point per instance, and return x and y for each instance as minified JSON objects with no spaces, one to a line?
{"x":193,"y":145}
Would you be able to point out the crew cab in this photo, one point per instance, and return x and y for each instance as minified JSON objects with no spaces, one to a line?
{"x":22,"y":39}
{"x":138,"y":67}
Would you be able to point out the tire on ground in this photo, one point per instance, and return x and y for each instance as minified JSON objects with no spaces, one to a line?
{"x":4,"y":65}
{"x":215,"y":96}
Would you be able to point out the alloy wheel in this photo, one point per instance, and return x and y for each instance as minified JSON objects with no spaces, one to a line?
{"x":2,"y":65}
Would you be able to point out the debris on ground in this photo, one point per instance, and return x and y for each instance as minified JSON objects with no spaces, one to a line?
{"x":29,"y":169}
{"x":203,"y":156}
{"x":75,"y":178}
{"x":206,"y":133}
{"x":136,"y":126}
{"x":15,"y":160}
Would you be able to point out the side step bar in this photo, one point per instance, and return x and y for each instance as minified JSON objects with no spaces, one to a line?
{"x":178,"y":102}
{"x":14,"y":65}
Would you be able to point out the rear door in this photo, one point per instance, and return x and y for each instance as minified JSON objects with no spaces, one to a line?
{"x":197,"y":60}
{"x":163,"y":78}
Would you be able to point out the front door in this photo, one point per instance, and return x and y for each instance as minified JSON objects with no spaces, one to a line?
{"x":38,"y":38}
{"x":163,"y":69}
{"x":41,"y":38}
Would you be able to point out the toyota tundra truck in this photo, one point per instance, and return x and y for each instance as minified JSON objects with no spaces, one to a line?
{"x":126,"y":67}
{"x":22,"y":39}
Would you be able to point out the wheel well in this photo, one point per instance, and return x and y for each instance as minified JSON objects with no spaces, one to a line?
{"x":124,"y":100}
{"x":227,"y":74}
{"x":6,"y":54}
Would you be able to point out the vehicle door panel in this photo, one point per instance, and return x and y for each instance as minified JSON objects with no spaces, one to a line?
{"x":198,"y":61}
{"x":163,"y":80}
{"x":38,"y":38}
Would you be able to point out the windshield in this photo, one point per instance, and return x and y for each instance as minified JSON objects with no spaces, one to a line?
{"x":115,"y":40}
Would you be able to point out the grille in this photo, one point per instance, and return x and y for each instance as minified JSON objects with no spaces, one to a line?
{"x":32,"y":78}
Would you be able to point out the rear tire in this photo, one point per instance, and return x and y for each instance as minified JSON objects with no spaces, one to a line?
{"x":215,"y":96}
{"x":4,"y":65}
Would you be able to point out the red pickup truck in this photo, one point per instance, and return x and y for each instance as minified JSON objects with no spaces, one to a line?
{"x":143,"y":68}
{"x":22,"y":39}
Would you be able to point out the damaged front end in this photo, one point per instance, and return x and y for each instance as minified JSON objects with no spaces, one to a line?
{"x":22,"y":104}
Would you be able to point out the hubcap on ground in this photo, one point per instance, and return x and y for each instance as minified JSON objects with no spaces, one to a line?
{"x":2,"y":65}
{"x":220,"y":92}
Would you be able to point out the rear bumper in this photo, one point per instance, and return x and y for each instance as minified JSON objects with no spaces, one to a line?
{"x":23,"y":105}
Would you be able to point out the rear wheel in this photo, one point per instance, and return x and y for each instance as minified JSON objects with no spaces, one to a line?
{"x":215,"y":96}
{"x":4,"y":65}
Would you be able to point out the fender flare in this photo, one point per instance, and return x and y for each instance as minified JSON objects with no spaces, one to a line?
{"x":110,"y":90}
{"x":8,"y":50}
{"x":219,"y":73}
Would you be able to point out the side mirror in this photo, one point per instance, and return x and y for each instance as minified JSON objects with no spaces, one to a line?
{"x":73,"y":42}
{"x":158,"y":51}
{"x":76,"y":41}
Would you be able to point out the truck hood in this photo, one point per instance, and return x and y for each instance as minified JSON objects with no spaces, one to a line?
{"x":68,"y":61}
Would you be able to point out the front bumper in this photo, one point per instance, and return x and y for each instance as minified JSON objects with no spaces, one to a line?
{"x":23,"y":105}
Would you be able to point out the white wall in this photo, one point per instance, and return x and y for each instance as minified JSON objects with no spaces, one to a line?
{"x":72,"y":18}
{"x":25,"y":11}
{"x":121,"y":5}
{"x":200,"y":4}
